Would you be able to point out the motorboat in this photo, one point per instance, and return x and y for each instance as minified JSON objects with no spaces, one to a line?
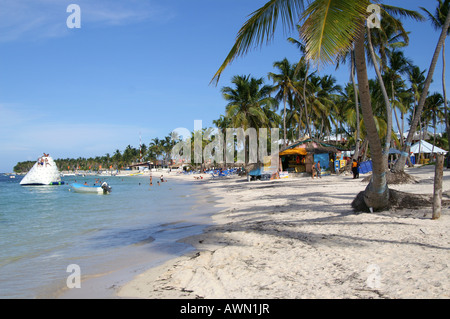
{"x":43,"y":172}
{"x":103,"y":189}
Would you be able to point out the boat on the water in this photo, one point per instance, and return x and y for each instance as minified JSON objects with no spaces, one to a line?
{"x":43,"y":172}
{"x":80,"y":188}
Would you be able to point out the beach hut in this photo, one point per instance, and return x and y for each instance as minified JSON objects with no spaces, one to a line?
{"x":300,"y":156}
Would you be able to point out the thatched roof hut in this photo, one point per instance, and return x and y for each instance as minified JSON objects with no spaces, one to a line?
{"x":313,"y":146}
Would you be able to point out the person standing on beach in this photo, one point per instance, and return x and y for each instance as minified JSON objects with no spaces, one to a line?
{"x":355,"y":169}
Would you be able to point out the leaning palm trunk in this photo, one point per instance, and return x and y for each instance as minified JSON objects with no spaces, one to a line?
{"x":376,"y":194}
{"x":284,"y":123}
{"x":400,"y":165}
{"x":444,"y":92}
{"x":386,"y":100}
{"x":355,"y":91}
{"x":308,"y":129}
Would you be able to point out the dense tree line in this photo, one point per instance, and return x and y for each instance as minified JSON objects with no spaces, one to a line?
{"x":158,"y":151}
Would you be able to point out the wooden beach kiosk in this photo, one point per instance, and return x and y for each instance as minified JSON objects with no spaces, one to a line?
{"x":299,"y":157}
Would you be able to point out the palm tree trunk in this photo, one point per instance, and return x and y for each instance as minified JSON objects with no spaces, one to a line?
{"x":434,"y":134}
{"x":299,"y":122}
{"x":376,"y":194}
{"x":284,"y":123}
{"x":355,"y":90}
{"x":420,"y":141}
{"x":400,"y":164}
{"x":403,"y":128}
{"x":385,"y":97}
{"x":364,"y":149}
{"x":395,"y":113}
{"x":444,"y":92}
{"x":308,"y":129}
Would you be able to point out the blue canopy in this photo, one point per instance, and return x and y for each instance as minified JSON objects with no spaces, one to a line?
{"x":255,"y":172}
{"x":394,"y":151}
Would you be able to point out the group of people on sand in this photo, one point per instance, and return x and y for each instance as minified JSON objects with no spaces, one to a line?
{"x":316,"y":170}
{"x":161,"y":180}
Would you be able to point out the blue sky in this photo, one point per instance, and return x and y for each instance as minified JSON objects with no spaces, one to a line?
{"x":134,"y":68}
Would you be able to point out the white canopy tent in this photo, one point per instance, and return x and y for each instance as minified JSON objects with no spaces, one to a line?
{"x":426,"y":148}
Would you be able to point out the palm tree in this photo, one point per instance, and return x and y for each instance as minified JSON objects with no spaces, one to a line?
{"x":284,"y":84}
{"x":222,"y":123}
{"x":329,"y":29}
{"x":248,"y":102}
{"x":351,"y":56}
{"x":438,"y":22}
{"x":400,"y":164}
{"x":302,"y":72}
{"x":156,"y":148}
{"x":397,"y":66}
{"x":433,"y":112}
{"x":390,"y":34}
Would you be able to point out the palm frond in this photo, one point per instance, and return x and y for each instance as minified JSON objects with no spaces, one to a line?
{"x":402,"y":13}
{"x":260,"y":28}
{"x":330,"y":26}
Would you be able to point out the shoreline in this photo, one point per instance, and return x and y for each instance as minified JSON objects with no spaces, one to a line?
{"x":134,"y":259}
{"x":299,"y":238}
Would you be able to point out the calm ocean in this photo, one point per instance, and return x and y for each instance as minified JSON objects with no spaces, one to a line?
{"x":44,"y":229}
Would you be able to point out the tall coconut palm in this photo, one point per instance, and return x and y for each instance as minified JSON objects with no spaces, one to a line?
{"x":389,"y":34}
{"x":397,"y":66}
{"x":400,"y":164}
{"x":438,"y":21}
{"x":433,"y":112}
{"x":284,"y":85}
{"x":417,"y":81}
{"x":302,"y":72}
{"x":223,"y":123}
{"x":248,"y":102}
{"x":357,"y":137}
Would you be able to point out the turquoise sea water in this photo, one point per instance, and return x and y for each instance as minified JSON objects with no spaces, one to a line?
{"x":44,"y":229}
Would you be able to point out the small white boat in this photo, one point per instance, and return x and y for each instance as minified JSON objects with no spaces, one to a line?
{"x":103,"y":189}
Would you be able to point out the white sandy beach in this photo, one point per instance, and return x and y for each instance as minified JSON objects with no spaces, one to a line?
{"x":299,"y":238}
